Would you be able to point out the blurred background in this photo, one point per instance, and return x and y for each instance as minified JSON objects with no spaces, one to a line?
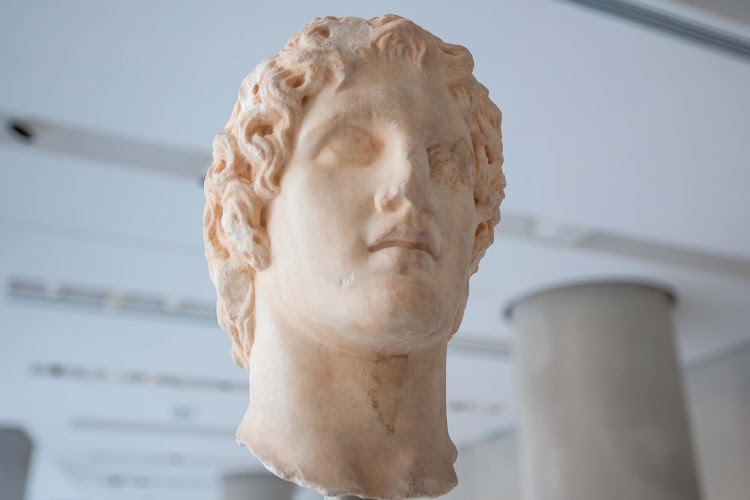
{"x":626,"y":130}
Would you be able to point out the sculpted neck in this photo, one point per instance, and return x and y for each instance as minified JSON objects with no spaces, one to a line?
{"x":348,"y":424}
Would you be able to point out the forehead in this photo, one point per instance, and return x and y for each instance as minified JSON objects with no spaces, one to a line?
{"x":393,"y":94}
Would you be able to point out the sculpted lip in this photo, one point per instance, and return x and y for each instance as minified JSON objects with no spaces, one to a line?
{"x":410,"y":245}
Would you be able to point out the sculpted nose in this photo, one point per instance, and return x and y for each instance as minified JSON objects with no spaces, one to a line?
{"x":407,"y":185}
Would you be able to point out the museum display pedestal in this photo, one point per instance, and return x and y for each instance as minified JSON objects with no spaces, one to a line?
{"x":15,"y":456}
{"x":250,"y":486}
{"x":603,"y":411}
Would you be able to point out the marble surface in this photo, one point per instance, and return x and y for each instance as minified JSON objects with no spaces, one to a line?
{"x":352,"y":194}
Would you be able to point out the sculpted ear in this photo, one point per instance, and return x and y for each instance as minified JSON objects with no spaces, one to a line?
{"x":483,"y":237}
{"x":241,"y":221}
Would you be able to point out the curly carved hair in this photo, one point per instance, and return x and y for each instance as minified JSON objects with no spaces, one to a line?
{"x":250,"y":154}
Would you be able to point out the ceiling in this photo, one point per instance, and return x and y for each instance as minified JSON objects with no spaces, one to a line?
{"x":608,"y":126}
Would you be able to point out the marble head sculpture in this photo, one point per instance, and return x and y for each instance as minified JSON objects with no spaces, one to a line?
{"x":352,"y":194}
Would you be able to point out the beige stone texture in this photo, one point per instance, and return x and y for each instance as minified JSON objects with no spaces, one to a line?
{"x":352,"y":194}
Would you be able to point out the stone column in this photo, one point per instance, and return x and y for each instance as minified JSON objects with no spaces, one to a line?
{"x":256,"y":486}
{"x":15,"y":455}
{"x":719,"y":394}
{"x":602,"y":409}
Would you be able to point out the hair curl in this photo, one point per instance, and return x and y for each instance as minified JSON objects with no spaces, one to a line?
{"x":250,"y":154}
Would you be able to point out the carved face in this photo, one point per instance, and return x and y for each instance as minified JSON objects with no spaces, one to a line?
{"x":372,"y":232}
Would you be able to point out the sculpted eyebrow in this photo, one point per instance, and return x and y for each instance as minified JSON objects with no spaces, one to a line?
{"x":462,"y":142}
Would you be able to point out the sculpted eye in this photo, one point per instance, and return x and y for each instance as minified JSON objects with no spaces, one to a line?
{"x":452,"y":166}
{"x":350,"y":146}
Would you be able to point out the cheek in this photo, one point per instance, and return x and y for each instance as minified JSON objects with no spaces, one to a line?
{"x":318,"y":217}
{"x":457,"y":222}
{"x":458,"y":228}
